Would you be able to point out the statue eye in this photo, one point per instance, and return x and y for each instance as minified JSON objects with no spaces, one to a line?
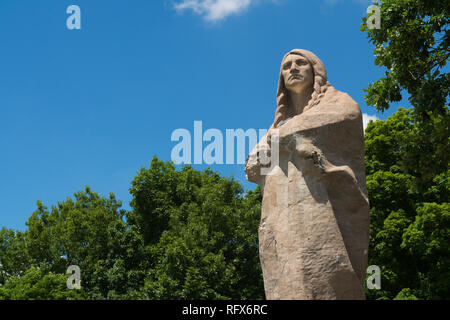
{"x":301,"y":62}
{"x":287,"y":65}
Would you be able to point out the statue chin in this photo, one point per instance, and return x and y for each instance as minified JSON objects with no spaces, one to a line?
{"x":298,"y":87}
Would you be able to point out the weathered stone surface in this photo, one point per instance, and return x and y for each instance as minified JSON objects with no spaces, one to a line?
{"x":314,"y":230}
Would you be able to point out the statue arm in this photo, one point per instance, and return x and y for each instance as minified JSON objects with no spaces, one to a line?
{"x":335,"y":176}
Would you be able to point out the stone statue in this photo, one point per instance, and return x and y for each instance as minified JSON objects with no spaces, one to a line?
{"x":314,"y":229}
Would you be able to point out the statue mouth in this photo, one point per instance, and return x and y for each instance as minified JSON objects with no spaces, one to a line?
{"x":295,"y":76}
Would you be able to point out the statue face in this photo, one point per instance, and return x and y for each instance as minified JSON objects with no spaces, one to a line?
{"x":297,"y":73}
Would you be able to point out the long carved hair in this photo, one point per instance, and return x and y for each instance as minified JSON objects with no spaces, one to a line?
{"x":284,"y":111}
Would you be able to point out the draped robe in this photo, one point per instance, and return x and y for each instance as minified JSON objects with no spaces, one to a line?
{"x":314,"y":229}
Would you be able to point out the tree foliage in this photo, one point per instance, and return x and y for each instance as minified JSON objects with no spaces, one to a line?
{"x":88,"y":232}
{"x":201,"y":232}
{"x":191,"y":235}
{"x":407,"y":156}
{"x":35,"y":284}
{"x":413,"y":44}
{"x":410,"y":229}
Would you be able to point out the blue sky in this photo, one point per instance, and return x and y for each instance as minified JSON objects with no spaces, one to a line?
{"x":92,"y":106}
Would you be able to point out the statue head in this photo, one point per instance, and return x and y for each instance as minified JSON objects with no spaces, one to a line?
{"x":297,"y":73}
{"x":300,"y":70}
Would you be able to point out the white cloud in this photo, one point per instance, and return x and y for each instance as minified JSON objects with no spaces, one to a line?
{"x":367,"y":118}
{"x":214,"y":10}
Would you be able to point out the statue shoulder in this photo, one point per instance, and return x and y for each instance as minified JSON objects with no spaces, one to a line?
{"x":342,"y":101}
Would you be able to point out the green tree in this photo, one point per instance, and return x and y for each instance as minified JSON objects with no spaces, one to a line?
{"x":88,"y":231}
{"x":35,"y":284}
{"x":201,"y":231}
{"x":413,"y":45}
{"x":407,"y":156}
{"x":14,"y":259}
{"x":409,"y":226}
{"x":191,"y":235}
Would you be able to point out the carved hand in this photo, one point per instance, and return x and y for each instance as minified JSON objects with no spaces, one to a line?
{"x":254,"y":164}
